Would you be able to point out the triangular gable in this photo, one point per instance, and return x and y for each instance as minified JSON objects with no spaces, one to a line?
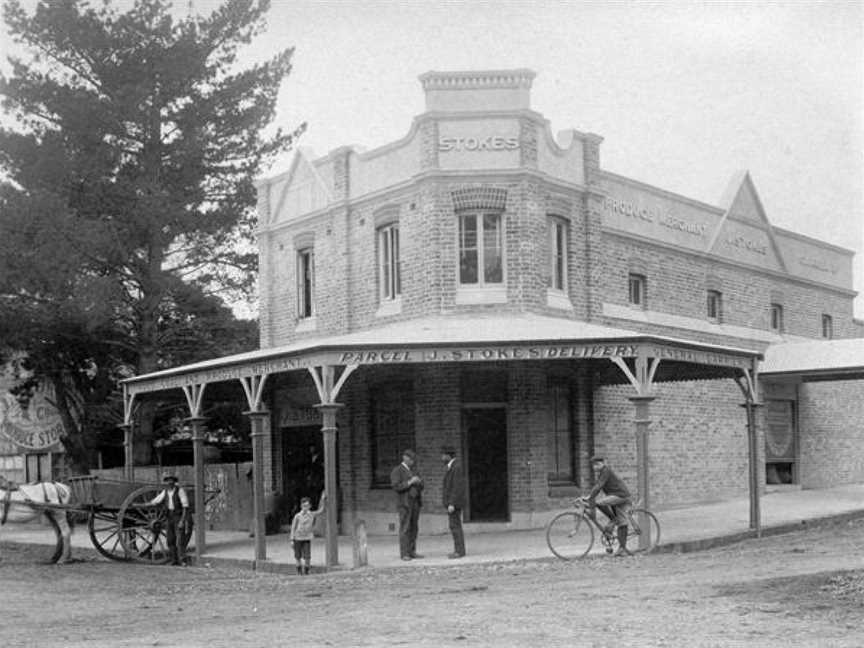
{"x":300,"y":190}
{"x":744,"y":233}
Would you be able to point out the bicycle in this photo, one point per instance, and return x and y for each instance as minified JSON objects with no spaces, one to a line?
{"x":570,"y":534}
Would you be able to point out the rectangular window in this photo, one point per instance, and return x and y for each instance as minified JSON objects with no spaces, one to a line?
{"x":392,"y":427}
{"x":561,"y":436}
{"x":714,"y":305}
{"x":777,"y":318}
{"x":637,"y":290}
{"x":558,"y":248}
{"x":481,"y":249}
{"x":827,"y":327}
{"x":305,"y":282}
{"x":389,"y":277}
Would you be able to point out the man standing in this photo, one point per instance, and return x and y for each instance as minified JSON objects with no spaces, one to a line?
{"x":454,"y":498}
{"x":176,"y":504}
{"x":408,"y":487}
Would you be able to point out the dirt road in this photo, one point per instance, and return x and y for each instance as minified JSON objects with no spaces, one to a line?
{"x":801,"y":589}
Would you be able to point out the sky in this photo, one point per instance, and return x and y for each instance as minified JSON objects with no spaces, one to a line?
{"x":684,"y":94}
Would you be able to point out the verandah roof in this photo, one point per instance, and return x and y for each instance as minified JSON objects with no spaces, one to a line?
{"x":816,"y":360}
{"x":518,"y":336}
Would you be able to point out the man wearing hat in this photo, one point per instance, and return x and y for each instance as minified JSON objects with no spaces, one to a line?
{"x":453,"y":493}
{"x":611,"y":496}
{"x":176,"y":504}
{"x":408,"y":487}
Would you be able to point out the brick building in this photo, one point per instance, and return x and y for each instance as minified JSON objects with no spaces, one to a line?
{"x":484,"y":283}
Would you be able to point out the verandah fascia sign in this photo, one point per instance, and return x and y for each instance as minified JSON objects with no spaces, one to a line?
{"x":480,"y":353}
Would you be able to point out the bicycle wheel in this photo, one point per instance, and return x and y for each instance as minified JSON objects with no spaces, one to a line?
{"x":643,"y":531}
{"x":569,"y":535}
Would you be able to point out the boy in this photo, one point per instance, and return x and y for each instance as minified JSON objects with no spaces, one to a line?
{"x":301,"y":532}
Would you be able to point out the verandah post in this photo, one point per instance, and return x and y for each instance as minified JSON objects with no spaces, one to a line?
{"x":197,"y":424}
{"x":328,"y":430}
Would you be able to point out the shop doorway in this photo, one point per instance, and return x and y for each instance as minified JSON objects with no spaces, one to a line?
{"x":302,"y":465}
{"x":485,"y":444}
{"x":781,"y":443}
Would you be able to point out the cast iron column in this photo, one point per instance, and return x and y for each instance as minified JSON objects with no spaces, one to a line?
{"x":753,"y":465}
{"x":328,"y":430}
{"x":642,"y":421}
{"x":197,"y":424}
{"x":257,"y":420}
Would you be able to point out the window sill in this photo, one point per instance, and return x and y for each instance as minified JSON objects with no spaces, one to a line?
{"x":562,"y":490}
{"x":306,"y":324}
{"x":389,"y":307}
{"x":481,"y":295}
{"x":558,"y":299}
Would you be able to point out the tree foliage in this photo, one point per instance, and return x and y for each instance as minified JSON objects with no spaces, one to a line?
{"x":127,"y":191}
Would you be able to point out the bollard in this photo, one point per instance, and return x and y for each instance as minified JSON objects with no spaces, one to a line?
{"x":360,"y":557}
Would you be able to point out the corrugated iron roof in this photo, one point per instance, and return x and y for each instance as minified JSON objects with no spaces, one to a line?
{"x":816,"y":356}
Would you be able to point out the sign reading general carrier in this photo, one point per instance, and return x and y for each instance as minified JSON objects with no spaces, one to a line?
{"x":486,"y":143}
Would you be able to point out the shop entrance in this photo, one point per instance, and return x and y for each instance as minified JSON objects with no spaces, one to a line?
{"x":302,"y":465}
{"x":781,"y":442}
{"x":485,"y":443}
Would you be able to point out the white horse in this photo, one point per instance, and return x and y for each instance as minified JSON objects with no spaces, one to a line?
{"x":27,"y":502}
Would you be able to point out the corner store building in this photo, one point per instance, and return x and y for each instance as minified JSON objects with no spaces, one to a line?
{"x":484,"y":283}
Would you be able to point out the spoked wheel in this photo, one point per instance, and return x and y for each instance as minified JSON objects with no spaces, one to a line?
{"x":569,"y":535}
{"x":643,"y":531}
{"x":143,"y":536}
{"x":106,"y":534}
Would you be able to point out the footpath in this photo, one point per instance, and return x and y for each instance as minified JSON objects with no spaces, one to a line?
{"x":683,"y":529}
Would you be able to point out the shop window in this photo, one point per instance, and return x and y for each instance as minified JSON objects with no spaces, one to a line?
{"x":481,"y":249}
{"x":560,"y":464}
{"x":392,"y":428}
{"x":714,"y":305}
{"x":637,"y":288}
{"x":558,"y":256}
{"x":389,"y":264}
{"x":827,"y":327}
{"x":777,"y":318}
{"x":305,"y":282}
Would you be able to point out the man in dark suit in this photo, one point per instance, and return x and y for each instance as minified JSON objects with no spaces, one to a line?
{"x":408,"y":487}
{"x":454,"y":498}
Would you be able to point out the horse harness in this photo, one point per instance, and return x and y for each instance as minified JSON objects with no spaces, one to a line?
{"x":7,"y":499}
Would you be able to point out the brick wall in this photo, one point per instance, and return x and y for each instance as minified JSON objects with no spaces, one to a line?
{"x":697,"y":440}
{"x":677,"y":285}
{"x":831,"y":432}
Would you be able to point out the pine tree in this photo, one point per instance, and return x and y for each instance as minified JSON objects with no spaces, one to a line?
{"x":126,"y":204}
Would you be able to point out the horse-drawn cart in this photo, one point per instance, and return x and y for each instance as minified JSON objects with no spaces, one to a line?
{"x":122,"y":523}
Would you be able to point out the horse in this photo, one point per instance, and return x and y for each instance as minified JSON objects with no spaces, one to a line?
{"x":26,"y":502}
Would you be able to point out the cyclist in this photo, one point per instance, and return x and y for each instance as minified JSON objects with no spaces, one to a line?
{"x":611,"y":496}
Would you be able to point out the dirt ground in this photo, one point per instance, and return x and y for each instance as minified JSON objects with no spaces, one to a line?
{"x":800,"y":589}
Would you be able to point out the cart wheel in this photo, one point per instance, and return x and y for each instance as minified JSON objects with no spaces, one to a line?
{"x":143,"y":535}
{"x":106,"y":534}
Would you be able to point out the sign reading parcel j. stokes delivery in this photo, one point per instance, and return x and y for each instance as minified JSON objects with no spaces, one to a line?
{"x":32,"y":424}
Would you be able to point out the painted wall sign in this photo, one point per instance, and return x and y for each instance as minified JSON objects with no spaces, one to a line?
{"x":818,"y":264}
{"x":34,"y":427}
{"x":662,"y":218}
{"x":487,"y":143}
{"x":431,"y":354}
{"x":741,"y":241}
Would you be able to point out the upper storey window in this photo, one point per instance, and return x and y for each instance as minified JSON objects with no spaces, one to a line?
{"x":637,"y":290}
{"x":827,"y":327}
{"x":714,"y":305}
{"x":481,"y":249}
{"x":777,"y":318}
{"x":389,"y":265}
{"x":558,"y":248}
{"x":305,"y":283}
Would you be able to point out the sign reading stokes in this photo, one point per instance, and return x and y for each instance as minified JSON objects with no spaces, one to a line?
{"x":487,"y":143}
